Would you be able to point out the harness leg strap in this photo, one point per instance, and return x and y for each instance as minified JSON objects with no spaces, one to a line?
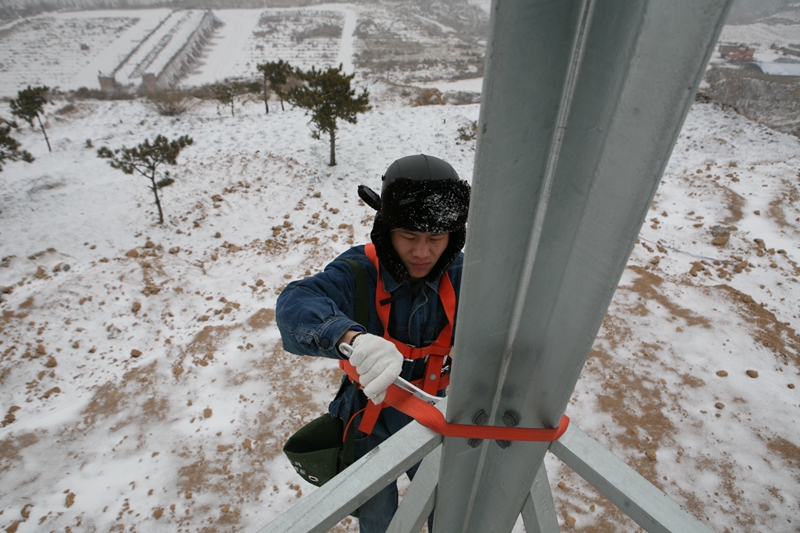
{"x":371,"y":414}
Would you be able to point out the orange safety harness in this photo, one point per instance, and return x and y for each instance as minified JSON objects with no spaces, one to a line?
{"x":435,"y":379}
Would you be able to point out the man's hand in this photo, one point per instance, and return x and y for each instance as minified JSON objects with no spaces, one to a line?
{"x":378,"y":364}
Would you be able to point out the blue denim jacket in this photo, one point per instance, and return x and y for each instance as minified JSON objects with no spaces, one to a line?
{"x":313,"y":314}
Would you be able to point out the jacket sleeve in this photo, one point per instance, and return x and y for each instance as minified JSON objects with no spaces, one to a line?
{"x":313,"y":313}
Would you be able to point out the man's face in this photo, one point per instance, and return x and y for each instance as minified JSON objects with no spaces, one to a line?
{"x":419,"y":251}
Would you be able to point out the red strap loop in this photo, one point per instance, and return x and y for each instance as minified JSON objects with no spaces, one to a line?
{"x":430,"y":417}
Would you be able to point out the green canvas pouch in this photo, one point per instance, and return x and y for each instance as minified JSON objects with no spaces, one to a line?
{"x":316,"y":451}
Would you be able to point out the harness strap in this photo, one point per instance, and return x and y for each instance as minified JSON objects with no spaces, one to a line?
{"x":436,"y":353}
{"x":373,"y":410}
{"x":430,"y":417}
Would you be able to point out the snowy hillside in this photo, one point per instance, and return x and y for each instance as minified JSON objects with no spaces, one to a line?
{"x":143,"y":386}
{"x":403,"y":43}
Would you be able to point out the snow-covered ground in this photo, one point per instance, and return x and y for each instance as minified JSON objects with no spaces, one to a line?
{"x":142,"y":381}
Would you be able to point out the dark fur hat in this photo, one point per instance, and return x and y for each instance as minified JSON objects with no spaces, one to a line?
{"x":429,"y":198}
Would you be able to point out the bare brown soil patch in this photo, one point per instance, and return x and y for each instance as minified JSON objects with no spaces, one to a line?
{"x":262,"y":319}
{"x":734,"y":205}
{"x":647,"y":284}
{"x":208,"y":338}
{"x":11,"y":446}
{"x":111,"y":398}
{"x":108,"y":399}
{"x":790,"y":197}
{"x":789,"y":452}
{"x":637,"y":405}
{"x":779,"y":337}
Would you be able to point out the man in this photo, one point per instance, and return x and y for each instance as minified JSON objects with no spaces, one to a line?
{"x":413,"y":272}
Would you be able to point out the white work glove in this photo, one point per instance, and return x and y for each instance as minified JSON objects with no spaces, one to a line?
{"x":378,"y":364}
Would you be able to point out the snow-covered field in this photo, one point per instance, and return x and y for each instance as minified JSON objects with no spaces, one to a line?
{"x":142,"y":381}
{"x":67,"y":50}
{"x":47,"y":49}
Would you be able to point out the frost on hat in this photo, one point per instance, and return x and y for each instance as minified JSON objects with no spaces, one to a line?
{"x":430,"y":206}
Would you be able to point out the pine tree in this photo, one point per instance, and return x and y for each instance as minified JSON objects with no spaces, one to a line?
{"x":29,"y":104}
{"x":145,"y":159}
{"x":275,"y":74}
{"x":226,"y":92}
{"x":9,"y":146}
{"x":327,"y":95}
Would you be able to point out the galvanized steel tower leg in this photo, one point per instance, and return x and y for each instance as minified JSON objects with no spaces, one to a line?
{"x":581,"y":106}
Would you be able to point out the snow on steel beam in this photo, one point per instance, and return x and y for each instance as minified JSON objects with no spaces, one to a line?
{"x":328,"y":505}
{"x":582,"y":103}
{"x":653,"y":510}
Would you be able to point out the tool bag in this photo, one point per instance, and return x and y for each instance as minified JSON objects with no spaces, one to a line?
{"x":320,"y":449}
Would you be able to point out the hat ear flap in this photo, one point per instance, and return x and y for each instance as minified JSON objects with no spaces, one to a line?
{"x":370,"y":197}
{"x":389,"y":258}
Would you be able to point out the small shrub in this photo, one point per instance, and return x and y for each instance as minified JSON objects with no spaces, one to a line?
{"x":170,"y":102}
{"x":327,"y":96}
{"x":429,"y":97}
{"x":468,"y":132}
{"x":66,"y":110}
{"x":227,"y":91}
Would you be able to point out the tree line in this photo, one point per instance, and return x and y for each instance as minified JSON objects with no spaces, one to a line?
{"x":326,"y":95}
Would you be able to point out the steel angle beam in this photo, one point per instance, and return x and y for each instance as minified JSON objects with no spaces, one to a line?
{"x":582,"y":103}
{"x":329,"y":504}
{"x":419,"y":499}
{"x":539,"y":511}
{"x":653,"y":510}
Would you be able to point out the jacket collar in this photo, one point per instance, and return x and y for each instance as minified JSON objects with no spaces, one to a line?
{"x":390,"y":285}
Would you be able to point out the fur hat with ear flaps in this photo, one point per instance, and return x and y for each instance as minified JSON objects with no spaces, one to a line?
{"x":419,"y":193}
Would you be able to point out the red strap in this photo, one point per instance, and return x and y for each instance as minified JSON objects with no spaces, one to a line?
{"x":371,"y":413}
{"x":430,"y":417}
{"x":436,"y":351}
